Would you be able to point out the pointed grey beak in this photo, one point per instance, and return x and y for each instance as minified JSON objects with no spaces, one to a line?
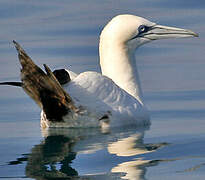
{"x":165,"y":32}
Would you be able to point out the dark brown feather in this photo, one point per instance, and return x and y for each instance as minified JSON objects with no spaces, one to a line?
{"x":44,"y":88}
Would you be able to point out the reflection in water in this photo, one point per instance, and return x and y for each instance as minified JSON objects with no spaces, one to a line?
{"x":134,"y":169}
{"x":132,"y":145}
{"x":53,"y":157}
{"x":44,"y":157}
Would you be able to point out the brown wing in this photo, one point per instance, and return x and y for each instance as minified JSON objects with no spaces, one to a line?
{"x":44,"y":88}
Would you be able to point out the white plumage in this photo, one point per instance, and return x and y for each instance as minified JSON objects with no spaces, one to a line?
{"x":116,"y":93}
{"x":100,"y":96}
{"x":113,"y":98}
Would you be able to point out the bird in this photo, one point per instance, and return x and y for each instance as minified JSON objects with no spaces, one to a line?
{"x":111,"y":98}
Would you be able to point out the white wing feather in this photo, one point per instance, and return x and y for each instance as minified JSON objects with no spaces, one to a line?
{"x":100,"y":96}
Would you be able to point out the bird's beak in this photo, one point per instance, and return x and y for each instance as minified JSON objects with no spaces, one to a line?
{"x":165,"y":32}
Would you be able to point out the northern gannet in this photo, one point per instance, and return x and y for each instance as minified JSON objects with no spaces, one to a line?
{"x":90,"y":99}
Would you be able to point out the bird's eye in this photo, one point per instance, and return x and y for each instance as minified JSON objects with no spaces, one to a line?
{"x":143,"y":29}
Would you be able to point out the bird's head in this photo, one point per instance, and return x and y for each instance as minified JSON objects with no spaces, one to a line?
{"x":135,"y":31}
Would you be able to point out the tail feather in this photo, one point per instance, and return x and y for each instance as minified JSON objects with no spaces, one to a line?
{"x":19,"y":84}
{"x":44,"y":88}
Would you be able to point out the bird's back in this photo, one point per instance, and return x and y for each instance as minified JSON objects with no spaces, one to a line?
{"x":103,"y":98}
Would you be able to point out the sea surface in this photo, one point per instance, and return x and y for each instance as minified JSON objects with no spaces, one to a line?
{"x":65,"y":34}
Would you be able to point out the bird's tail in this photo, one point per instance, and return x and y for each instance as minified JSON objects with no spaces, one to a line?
{"x":19,"y":84}
{"x":43,"y":88}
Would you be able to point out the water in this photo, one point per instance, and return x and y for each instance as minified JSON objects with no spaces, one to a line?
{"x":65,"y":34}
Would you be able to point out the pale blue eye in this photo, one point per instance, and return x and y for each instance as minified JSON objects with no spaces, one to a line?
{"x":143,"y":29}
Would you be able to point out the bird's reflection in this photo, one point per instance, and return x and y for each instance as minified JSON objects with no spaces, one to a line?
{"x":55,"y":149}
{"x":54,"y":157}
{"x":135,"y":169}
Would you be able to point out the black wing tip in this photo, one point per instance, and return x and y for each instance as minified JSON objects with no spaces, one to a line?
{"x":16,"y":44}
{"x":46,"y":67}
{"x":18,"y":47}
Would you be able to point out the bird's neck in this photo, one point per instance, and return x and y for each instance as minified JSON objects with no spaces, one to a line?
{"x":118,"y":63}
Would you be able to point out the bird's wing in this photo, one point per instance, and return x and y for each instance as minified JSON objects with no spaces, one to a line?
{"x":98,"y":95}
{"x":101,"y":95}
{"x":44,"y":88}
{"x":84,"y":98}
